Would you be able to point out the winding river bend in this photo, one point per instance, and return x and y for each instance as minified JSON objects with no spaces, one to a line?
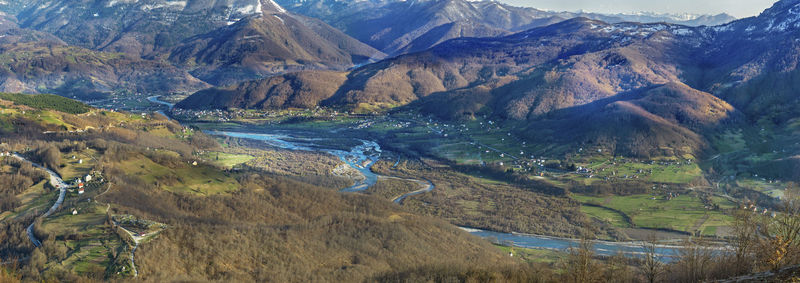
{"x":360,"y":157}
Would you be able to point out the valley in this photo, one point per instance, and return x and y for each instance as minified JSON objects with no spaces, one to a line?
{"x":396,"y":141}
{"x":482,"y":152}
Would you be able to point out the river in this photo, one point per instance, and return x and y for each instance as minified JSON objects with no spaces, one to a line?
{"x":155,"y":99}
{"x":664,"y":253}
{"x":360,"y":157}
{"x":363,"y":154}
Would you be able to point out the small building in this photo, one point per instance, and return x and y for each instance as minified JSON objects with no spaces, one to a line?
{"x":81,"y":191}
{"x":74,"y":211}
{"x":88,"y":178}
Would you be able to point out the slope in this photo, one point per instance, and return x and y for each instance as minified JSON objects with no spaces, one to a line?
{"x":258,"y":46}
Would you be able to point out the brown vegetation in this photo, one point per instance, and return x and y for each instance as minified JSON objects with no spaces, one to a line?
{"x":472,"y":201}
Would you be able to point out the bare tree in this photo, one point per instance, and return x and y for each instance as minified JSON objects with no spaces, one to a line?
{"x":651,"y":263}
{"x":694,"y":262}
{"x":618,"y":269}
{"x":745,"y":239}
{"x":581,"y":266}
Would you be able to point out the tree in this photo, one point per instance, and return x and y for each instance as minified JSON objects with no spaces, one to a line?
{"x":38,"y":259}
{"x":694,"y":262}
{"x":50,"y":157}
{"x":581,"y":266}
{"x":651,"y":263}
{"x":745,"y":239}
{"x":617,"y":269}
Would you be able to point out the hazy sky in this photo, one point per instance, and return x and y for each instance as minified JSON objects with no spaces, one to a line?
{"x":737,"y":8}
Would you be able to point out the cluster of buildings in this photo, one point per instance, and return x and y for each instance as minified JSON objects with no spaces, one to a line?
{"x":756,"y":209}
{"x":80,"y":183}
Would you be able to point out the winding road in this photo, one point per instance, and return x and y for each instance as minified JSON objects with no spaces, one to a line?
{"x":57,"y":182}
{"x":136,"y":241}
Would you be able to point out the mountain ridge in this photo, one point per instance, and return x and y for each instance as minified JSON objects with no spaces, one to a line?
{"x":530,"y":75}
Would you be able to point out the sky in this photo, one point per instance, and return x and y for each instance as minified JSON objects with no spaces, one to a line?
{"x":737,"y":8}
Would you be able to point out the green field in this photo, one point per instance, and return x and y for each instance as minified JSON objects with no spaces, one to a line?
{"x":89,"y":245}
{"x":606,"y":215}
{"x":201,"y":179}
{"x":683,"y":213}
{"x":226,"y":160}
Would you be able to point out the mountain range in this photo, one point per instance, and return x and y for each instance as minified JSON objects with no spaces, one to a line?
{"x":398,"y":27}
{"x":218,"y":42}
{"x":221,"y":42}
{"x":481,"y":57}
{"x":739,"y":71}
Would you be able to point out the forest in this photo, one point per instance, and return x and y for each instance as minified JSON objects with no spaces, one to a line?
{"x":47,"y":101}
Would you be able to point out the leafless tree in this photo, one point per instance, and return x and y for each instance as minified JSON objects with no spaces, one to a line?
{"x":651,"y":266}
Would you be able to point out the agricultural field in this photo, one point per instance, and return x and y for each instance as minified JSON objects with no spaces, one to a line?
{"x":226,"y":160}
{"x":198,"y":179}
{"x":87,"y":244}
{"x":683,"y":212}
{"x":33,"y":200}
{"x":775,"y":189}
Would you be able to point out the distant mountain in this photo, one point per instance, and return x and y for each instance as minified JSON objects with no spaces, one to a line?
{"x":13,"y":6}
{"x":662,"y":120}
{"x":753,"y":63}
{"x":299,"y":90}
{"x":259,"y":46}
{"x":398,"y":27}
{"x":33,"y":65}
{"x":528,"y":70}
{"x":540,"y":74}
{"x":219,"y":41}
{"x":134,"y":27}
{"x":648,"y":17}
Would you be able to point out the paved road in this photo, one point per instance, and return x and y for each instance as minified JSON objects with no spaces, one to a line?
{"x":57,"y":182}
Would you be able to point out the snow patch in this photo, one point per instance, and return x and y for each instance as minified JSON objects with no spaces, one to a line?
{"x":682,"y":31}
{"x":277,"y":7}
{"x":249,"y":9}
{"x":176,"y":4}
{"x":724,"y":28}
{"x":113,"y":3}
